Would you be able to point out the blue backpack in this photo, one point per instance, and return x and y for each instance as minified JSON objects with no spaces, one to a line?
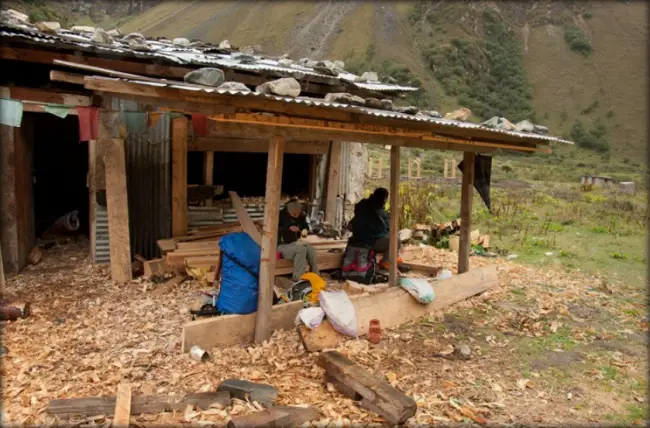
{"x":240,"y":267}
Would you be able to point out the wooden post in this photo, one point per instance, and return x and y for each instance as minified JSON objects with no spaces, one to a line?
{"x":208,"y":172}
{"x":333,"y":178}
{"x":453,"y":169}
{"x":269,"y":239}
{"x":8,"y":198}
{"x":419,"y":163}
{"x":118,"y":211}
{"x":369,"y":167}
{"x":446,"y":172}
{"x":394,"y":214}
{"x":466,"y":211}
{"x":380,"y":167}
{"x":409,"y":170}
{"x":179,"y":176}
{"x":2,"y":273}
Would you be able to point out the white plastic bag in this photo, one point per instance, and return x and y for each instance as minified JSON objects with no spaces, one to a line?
{"x":419,"y":288}
{"x":311,"y":317}
{"x":340,"y":311}
{"x":444,"y":274}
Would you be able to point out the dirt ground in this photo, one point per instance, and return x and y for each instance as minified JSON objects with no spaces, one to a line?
{"x":549,"y":347}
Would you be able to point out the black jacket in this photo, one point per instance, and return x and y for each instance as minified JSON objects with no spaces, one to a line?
{"x":369,"y":222}
{"x":286,"y":236}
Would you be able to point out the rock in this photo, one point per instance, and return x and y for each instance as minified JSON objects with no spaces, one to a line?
{"x":499,"y":123}
{"x":114,"y":32}
{"x":525,"y":126}
{"x":102,"y":37}
{"x":245,"y":390}
{"x":207,"y":76}
{"x":245,"y":58}
{"x":285,"y":62}
{"x":422,"y":227}
{"x":405,"y":234}
{"x":387,"y":104}
{"x":389,"y":79}
{"x":225,"y":44}
{"x":303,"y":61}
{"x":48,"y":27}
{"x":233,"y":86}
{"x":35,"y":256}
{"x":284,"y":56}
{"x":137,"y":45}
{"x":407,"y":110}
{"x":460,"y":114}
{"x":82,"y":29}
{"x":250,"y":50}
{"x":431,"y":113}
{"x":325,"y":67}
{"x":463,"y":352}
{"x":539,"y":129}
{"x":338,"y":65}
{"x":196,"y":44}
{"x":419,"y":235}
{"x":14,"y":17}
{"x":344,"y":98}
{"x":374,"y":103}
{"x":369,"y":76}
{"x":181,"y":41}
{"x":286,"y":87}
{"x":135,"y":36}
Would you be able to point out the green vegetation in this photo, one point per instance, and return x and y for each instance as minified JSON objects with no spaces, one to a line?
{"x":592,"y":138}
{"x":488,"y":76}
{"x":587,"y":15}
{"x":577,"y":40}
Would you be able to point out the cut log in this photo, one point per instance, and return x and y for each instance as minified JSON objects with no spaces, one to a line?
{"x":166,"y":245}
{"x":156,"y":267}
{"x":90,"y":406}
{"x":277,"y":417}
{"x":376,"y":394}
{"x":426,"y":269}
{"x":244,"y":219}
{"x":322,"y":337}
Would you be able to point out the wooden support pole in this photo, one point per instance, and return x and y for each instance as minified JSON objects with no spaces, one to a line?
{"x":333,"y":178}
{"x":380,"y":167}
{"x":369,"y":167}
{"x":179,"y":176}
{"x":409,"y":173}
{"x":8,"y":198}
{"x":453,"y":168}
{"x":419,"y":172}
{"x":394,"y":213}
{"x":208,"y":172}
{"x":466,"y":211}
{"x":269,"y":239}
{"x":446,"y":170}
{"x":118,"y":211}
{"x":2,"y":273}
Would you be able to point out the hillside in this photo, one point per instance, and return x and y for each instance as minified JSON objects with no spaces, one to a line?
{"x":579,"y":68}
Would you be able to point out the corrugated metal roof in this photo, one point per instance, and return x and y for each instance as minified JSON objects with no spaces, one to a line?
{"x":186,"y":55}
{"x":357,"y":109}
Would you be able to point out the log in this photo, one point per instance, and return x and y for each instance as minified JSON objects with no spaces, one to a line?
{"x":156,"y":267}
{"x":277,"y":417}
{"x":373,"y":393}
{"x":90,"y":406}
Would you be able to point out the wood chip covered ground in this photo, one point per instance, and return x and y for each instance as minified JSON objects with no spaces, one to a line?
{"x":86,"y":335}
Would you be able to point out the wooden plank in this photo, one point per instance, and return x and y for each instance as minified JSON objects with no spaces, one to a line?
{"x":249,"y":145}
{"x":198,"y":245}
{"x":118,"y":211}
{"x":374,"y":393}
{"x":49,"y":96}
{"x":276,"y":417}
{"x":202,"y":262}
{"x":63,"y":76}
{"x":156,"y":267}
{"x":166,"y":245}
{"x":91,"y":406}
{"x":122,"y":406}
{"x":394,"y":214}
{"x":23,"y":155}
{"x":108,"y":129}
{"x":8,"y":220}
{"x":179,"y":176}
{"x":244,"y":219}
{"x":208,"y":172}
{"x":467,"y":191}
{"x":426,"y":269}
{"x":269,"y":239}
{"x":40,"y":108}
{"x":326,"y":261}
{"x":333,"y":180}
{"x":391,"y":308}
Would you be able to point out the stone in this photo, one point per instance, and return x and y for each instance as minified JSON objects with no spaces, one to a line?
{"x":13,"y":17}
{"x":419,"y":235}
{"x":524,"y":126}
{"x":234,"y":86}
{"x":499,"y":123}
{"x":374,"y":103}
{"x":137,"y":45}
{"x":244,"y":390}
{"x":369,"y":76}
{"x":539,"y":129}
{"x":405,"y":235}
{"x":48,"y":27}
{"x":135,"y":36}
{"x":181,"y":41}
{"x":286,"y":87}
{"x":387,"y":104}
{"x":407,"y":110}
{"x":114,"y":32}
{"x":431,"y":113}
{"x":82,"y":29}
{"x":338,"y":65}
{"x":389,"y":79}
{"x":325,"y":67}
{"x":285,"y":62}
{"x":225,"y":44}
{"x":245,"y":58}
{"x":207,"y":76}
{"x":250,"y":50}
{"x":196,"y":44}
{"x":344,"y":98}
{"x":463,"y":352}
{"x":35,"y":256}
{"x":102,"y":37}
{"x":460,"y":114}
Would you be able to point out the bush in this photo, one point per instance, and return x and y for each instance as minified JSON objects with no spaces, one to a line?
{"x":592,"y":139}
{"x":577,"y":40}
{"x":590,"y":108}
{"x":587,"y":15}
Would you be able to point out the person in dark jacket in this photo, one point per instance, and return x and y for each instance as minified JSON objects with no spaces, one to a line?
{"x":293,"y":226}
{"x":370,"y":225}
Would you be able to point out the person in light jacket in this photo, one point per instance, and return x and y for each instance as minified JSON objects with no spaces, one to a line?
{"x":293,"y":226}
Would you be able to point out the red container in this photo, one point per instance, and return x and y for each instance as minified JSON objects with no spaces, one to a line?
{"x":374,"y":332}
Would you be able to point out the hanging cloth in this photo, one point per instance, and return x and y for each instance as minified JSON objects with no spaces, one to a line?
{"x":11,"y":112}
{"x":88,"y":123}
{"x":154,"y":117}
{"x":482,"y":174}
{"x":58,"y":110}
{"x":136,"y":122}
{"x":200,"y":124}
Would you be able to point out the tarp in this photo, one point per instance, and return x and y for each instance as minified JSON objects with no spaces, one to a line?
{"x":482,"y":174}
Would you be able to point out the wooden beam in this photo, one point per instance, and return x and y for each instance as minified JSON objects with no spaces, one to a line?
{"x":333,"y":181}
{"x":118,"y":211}
{"x":3,"y":282}
{"x":246,"y":222}
{"x":179,"y":176}
{"x":40,"y":108}
{"x":248,"y":145}
{"x":467,"y":191}
{"x":64,"y":76}
{"x":392,"y":308}
{"x":8,"y":219}
{"x":269,"y":239}
{"x":394,"y":214}
{"x":122,"y":406}
{"x":208,"y":172}
{"x":48,"y":96}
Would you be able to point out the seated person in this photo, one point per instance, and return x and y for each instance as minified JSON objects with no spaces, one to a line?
{"x":293,"y":225}
{"x":371,"y":225}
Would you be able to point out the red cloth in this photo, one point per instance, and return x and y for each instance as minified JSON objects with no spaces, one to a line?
{"x":200,"y":124}
{"x":278,"y":255}
{"x":88,"y":123}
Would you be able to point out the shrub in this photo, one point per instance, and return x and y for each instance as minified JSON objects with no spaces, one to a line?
{"x":577,"y":40}
{"x":592,"y":139}
{"x":590,"y":108}
{"x":587,"y":15}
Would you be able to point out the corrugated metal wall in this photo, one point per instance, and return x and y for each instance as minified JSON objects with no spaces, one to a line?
{"x":210,"y":216}
{"x":101,"y":236}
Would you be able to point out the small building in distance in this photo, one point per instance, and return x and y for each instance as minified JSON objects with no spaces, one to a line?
{"x":596,"y":180}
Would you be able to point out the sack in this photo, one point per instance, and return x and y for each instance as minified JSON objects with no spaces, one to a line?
{"x":240,"y":269}
{"x":419,"y":288}
{"x":359,"y":264}
{"x":311,"y":317}
{"x":340,"y":311}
